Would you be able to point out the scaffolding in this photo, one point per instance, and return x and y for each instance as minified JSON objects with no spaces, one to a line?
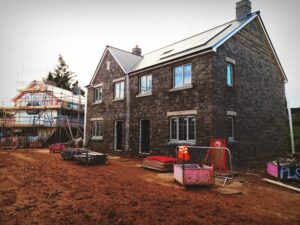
{"x":42,"y":110}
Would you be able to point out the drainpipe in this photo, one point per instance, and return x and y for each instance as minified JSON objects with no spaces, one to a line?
{"x":127,"y":113}
{"x":291,"y":127}
{"x":85,"y":117}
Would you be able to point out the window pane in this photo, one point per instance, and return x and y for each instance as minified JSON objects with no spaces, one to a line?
{"x":149,"y":83}
{"x":230,"y":126}
{"x":117,"y":90}
{"x":174,"y":128}
{"x":192,"y":128}
{"x":95,"y":95}
{"x":143,"y":84}
{"x":187,"y":71}
{"x":122,"y":90}
{"x":178,"y":78}
{"x":100,"y":94}
{"x":182,"y":128}
{"x":229,"y":75}
{"x":101,"y":128}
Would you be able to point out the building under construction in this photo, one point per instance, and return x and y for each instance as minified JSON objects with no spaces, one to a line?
{"x":42,"y":114}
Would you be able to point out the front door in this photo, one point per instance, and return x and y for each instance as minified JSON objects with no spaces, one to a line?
{"x":144,"y":136}
{"x":118,"y":135}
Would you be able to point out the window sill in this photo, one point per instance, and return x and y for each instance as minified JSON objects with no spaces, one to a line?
{"x":189,"y":86}
{"x":97,"y":138}
{"x":231,"y":87}
{"x":144,"y":94}
{"x":118,"y":99}
{"x":181,"y":142}
{"x":97,"y":103}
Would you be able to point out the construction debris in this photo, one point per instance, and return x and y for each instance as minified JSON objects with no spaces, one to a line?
{"x":83,"y":156}
{"x":285,"y":168}
{"x":281,"y":184}
{"x":69,"y":153}
{"x":56,"y":147}
{"x":159,"y":163}
{"x":90,"y":158}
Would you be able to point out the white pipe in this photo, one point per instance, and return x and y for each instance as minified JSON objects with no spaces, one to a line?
{"x":85,"y":119}
{"x":127,"y":122}
{"x":291,"y":126}
{"x":281,"y":184}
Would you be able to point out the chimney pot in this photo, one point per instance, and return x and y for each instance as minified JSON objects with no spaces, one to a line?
{"x":137,"y":51}
{"x":243,"y":9}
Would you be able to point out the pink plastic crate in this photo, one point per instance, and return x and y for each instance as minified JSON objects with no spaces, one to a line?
{"x":193,"y":174}
{"x":272,"y":169}
{"x":57,"y":147}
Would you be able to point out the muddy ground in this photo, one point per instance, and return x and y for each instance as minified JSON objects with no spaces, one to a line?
{"x":40,"y":188}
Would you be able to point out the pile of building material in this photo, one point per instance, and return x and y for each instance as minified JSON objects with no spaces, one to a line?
{"x":69,"y":153}
{"x":285,"y":168}
{"x":83,"y":156}
{"x":56,"y":147}
{"x":90,"y":158}
{"x":13,"y":142}
{"x":160,"y":163}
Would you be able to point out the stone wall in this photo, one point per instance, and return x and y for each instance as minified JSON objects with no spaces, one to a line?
{"x":109,"y":109}
{"x":258,"y":96}
{"x":163,"y":100}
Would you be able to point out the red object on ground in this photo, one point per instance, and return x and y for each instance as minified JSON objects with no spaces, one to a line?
{"x":159,"y":163}
{"x":164,"y":159}
{"x":57,"y":147}
{"x":217,"y":156}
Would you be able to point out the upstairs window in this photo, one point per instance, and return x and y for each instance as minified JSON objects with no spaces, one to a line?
{"x":146,"y":84}
{"x":107,"y":65}
{"x":229,"y":72}
{"x":119,"y":90}
{"x":183,"y":128}
{"x":97,"y":131}
{"x":98,"y":94}
{"x":182,"y":75}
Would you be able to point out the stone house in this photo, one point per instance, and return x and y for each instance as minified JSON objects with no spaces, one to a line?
{"x":225,"y":82}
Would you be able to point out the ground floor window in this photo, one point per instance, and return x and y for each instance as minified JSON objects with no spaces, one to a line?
{"x":231,"y":128}
{"x":183,"y":128}
{"x":97,"y":131}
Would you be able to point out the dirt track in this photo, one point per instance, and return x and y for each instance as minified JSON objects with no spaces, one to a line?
{"x":40,"y":188}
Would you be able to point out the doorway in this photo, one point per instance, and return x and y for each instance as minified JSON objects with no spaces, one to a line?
{"x":144,"y":136}
{"x":118,"y":135}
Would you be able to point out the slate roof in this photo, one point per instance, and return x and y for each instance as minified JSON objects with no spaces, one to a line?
{"x":205,"y":41}
{"x":125,"y":59}
{"x":197,"y":43}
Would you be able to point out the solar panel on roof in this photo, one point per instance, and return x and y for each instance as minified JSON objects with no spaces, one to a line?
{"x":195,"y":41}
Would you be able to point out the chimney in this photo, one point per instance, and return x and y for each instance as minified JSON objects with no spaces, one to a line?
{"x":137,"y":51}
{"x":243,"y":9}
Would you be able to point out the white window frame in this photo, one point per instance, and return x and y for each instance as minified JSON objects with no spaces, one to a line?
{"x":183,"y":82}
{"x":98,"y":98}
{"x":108,"y":65}
{"x":94,"y":130}
{"x":119,"y":85}
{"x":147,"y":83}
{"x":232,"y":118}
{"x":177,"y":129}
{"x":231,"y":74}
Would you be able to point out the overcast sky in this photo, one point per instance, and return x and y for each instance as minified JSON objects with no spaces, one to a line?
{"x":34,"y":32}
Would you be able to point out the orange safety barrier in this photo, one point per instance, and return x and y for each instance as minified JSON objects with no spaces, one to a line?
{"x":183,"y":153}
{"x":217,"y":157}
